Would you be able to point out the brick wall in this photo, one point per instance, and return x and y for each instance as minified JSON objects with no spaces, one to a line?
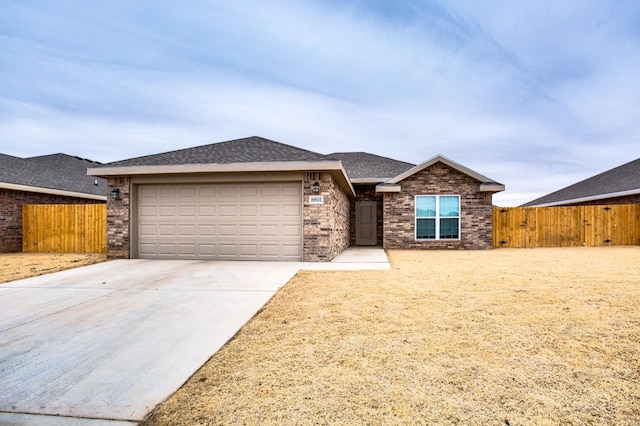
{"x":366,"y":193}
{"x":118,"y":219}
{"x":438,"y":179}
{"x":326,"y":226}
{"x":11,"y":203}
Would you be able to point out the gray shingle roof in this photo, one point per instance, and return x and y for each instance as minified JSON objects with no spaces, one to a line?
{"x":361,"y":165}
{"x":622,"y":178}
{"x":248,"y":150}
{"x":57,"y":171}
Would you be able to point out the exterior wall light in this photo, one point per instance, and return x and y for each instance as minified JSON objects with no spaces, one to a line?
{"x":315,"y":187}
{"x":115,"y":194}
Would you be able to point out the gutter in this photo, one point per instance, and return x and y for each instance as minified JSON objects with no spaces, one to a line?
{"x":40,"y":190}
{"x":282,"y":166}
{"x":588,"y":198}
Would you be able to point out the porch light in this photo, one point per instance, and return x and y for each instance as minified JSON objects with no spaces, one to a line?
{"x":115,"y":193}
{"x":315,"y":187}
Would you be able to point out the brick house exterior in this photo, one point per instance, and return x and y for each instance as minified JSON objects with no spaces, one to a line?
{"x":11,"y":203}
{"x":438,"y":179}
{"x":330,"y":188}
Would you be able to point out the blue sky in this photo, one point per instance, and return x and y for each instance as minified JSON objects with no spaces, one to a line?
{"x":534,"y":94}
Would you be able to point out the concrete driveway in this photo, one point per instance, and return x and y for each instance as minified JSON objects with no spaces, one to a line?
{"x":112,"y":340}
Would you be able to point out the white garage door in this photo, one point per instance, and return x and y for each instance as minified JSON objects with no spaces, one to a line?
{"x":220,"y":221}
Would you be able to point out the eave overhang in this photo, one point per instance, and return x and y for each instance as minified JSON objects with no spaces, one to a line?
{"x":363,"y":181}
{"x":334,"y":167}
{"x":51,"y":191}
{"x":491,"y":187}
{"x":588,"y":198}
{"x":385,"y":187}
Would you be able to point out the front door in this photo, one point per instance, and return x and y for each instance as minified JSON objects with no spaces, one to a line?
{"x":366,"y":223}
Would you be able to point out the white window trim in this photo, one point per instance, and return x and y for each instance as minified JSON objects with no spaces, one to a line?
{"x":437,"y":218}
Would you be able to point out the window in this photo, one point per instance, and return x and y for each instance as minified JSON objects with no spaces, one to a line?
{"x":437,"y":217}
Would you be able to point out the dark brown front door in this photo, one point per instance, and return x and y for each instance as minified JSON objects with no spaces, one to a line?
{"x":366,"y":223}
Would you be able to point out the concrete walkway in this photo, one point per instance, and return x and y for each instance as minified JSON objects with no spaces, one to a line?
{"x":104,"y":344}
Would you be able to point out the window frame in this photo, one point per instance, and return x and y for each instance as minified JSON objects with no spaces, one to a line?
{"x":437,"y":218}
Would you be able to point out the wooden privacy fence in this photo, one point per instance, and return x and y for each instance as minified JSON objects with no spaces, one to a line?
{"x":566,"y":226}
{"x":64,"y":228}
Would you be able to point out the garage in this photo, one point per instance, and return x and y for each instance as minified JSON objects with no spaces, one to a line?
{"x":231,"y":221}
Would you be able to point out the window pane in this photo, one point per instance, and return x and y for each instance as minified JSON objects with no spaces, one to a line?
{"x":449,"y":206}
{"x":448,"y":228}
{"x":426,"y":229}
{"x":425,"y":206}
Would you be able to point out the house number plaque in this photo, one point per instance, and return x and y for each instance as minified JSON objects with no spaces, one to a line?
{"x":316,"y":199}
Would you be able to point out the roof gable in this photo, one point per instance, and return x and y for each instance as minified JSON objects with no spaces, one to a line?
{"x":442,"y":159}
{"x":619,"y":181}
{"x":253,"y":149}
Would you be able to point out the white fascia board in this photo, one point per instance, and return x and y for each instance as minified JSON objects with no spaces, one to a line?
{"x":388,"y":188}
{"x":442,"y":159}
{"x":281,"y":166}
{"x":491,"y":187}
{"x":369,"y":180}
{"x":37,"y":189}
{"x":590,"y":198}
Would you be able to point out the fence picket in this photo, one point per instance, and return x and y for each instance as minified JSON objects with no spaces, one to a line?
{"x":64,"y":228}
{"x":593,"y":225}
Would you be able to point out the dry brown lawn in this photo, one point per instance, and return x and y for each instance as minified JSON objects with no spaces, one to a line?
{"x":509,"y":336}
{"x":16,"y":266}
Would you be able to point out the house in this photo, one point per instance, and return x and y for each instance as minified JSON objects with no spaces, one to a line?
{"x":48,"y":179}
{"x":620,"y":185}
{"x":258,"y":199}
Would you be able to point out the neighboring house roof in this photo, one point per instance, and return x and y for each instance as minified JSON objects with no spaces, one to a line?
{"x":363,"y":167}
{"x":618,"y":182}
{"x":58,"y":174}
{"x":486,"y":184}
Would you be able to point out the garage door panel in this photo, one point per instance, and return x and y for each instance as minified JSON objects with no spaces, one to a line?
{"x":206,"y":211}
{"x":228,"y":191}
{"x":291,"y":210}
{"x":149,"y":211}
{"x":225,"y":230}
{"x":248,"y":210}
{"x":269,"y":210}
{"x":291,"y":230}
{"x":270,"y":191}
{"x":188,"y":192}
{"x":220,"y":221}
{"x":248,"y":231}
{"x":186,"y":250}
{"x":228,"y":210}
{"x":293,"y":191}
{"x":291,"y":251}
{"x":166,"y":230}
{"x":270,"y":230}
{"x":207,"y":249}
{"x":166,"y":249}
{"x":167,"y":192}
{"x":167,"y":211}
{"x":206,"y":230}
{"x":186,"y":230}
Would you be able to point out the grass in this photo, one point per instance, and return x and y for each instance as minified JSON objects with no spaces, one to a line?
{"x":518,"y":337}
{"x":17,"y":266}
